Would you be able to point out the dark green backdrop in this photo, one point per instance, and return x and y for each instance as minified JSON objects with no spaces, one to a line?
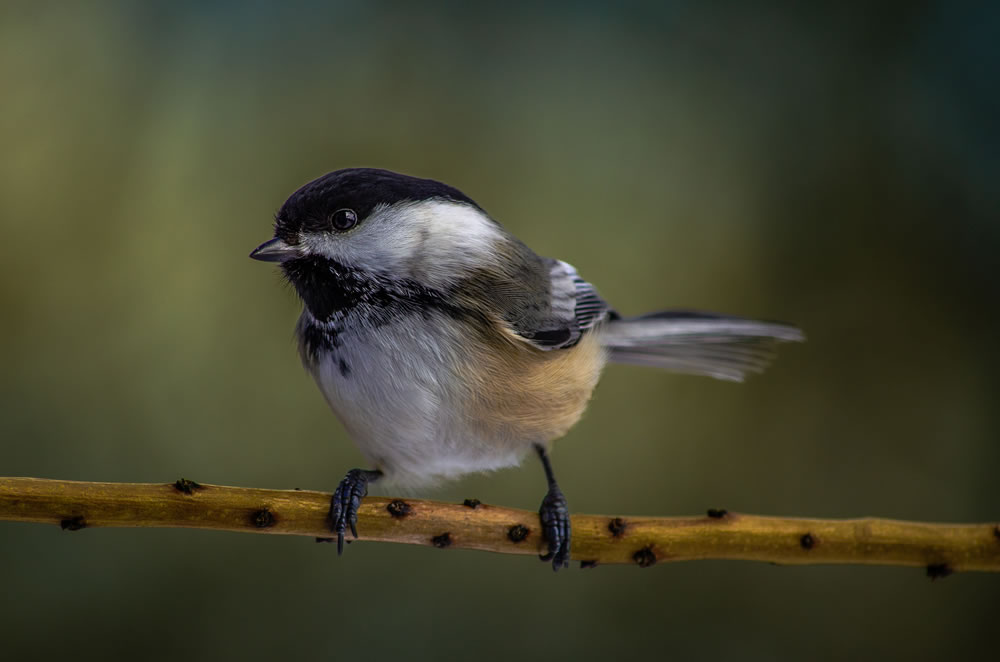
{"x":833,"y":167}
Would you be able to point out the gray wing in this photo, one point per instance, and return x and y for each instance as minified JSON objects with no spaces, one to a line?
{"x":574,"y":307}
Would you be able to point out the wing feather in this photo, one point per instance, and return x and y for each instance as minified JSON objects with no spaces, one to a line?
{"x":574,"y":307}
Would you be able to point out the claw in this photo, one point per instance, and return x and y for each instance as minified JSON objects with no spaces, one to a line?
{"x":554,"y":515}
{"x":346,"y":501}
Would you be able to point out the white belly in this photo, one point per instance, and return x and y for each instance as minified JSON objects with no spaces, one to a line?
{"x":398,"y":393}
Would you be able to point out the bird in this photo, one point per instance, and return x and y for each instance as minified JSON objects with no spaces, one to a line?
{"x":446,"y":346}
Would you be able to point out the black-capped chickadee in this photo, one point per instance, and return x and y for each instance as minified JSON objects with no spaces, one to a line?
{"x":446,"y":346}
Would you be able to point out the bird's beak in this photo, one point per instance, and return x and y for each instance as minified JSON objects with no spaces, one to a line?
{"x":274,"y":250}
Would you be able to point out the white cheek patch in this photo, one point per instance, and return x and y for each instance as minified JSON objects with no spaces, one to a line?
{"x":456,"y":239}
{"x":432,"y":241}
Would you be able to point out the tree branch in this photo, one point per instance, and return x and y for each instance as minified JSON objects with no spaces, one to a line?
{"x":941,"y":548}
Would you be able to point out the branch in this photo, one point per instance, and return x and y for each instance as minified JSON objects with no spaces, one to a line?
{"x":941,"y":548}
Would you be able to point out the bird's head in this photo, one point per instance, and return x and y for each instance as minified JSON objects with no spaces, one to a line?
{"x":363,"y":223}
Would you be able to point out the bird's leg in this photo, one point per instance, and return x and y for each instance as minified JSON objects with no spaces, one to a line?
{"x":346,"y":501}
{"x":554,"y":515}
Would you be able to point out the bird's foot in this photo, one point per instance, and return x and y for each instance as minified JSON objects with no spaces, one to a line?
{"x":554,"y":514}
{"x":346,"y":501}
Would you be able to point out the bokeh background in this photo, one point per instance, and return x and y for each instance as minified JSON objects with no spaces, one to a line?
{"x":830,"y":165}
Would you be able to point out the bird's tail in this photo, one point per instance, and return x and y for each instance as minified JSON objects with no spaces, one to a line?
{"x":697,"y":343}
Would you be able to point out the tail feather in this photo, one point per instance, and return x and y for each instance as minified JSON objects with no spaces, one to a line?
{"x":696,"y":343}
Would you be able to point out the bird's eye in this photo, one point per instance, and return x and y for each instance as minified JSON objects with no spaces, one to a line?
{"x":343,"y":220}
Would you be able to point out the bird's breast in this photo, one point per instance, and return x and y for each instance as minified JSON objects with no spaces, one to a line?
{"x":428,"y":396}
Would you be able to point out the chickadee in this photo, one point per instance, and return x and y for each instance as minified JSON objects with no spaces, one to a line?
{"x":446,"y":346}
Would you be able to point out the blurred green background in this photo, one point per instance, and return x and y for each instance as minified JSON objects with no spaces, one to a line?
{"x":837,"y":167}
